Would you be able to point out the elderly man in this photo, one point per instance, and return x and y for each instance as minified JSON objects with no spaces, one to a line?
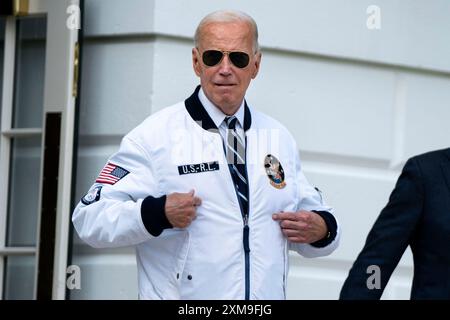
{"x":190,"y":187}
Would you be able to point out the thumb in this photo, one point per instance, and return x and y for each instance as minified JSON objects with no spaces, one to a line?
{"x":197,"y":201}
{"x":191,"y":193}
{"x":275,"y":216}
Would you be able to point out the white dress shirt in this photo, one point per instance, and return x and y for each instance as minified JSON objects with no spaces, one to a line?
{"x":218,"y":116}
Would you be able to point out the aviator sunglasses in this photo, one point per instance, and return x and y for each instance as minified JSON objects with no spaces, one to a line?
{"x":214,"y":57}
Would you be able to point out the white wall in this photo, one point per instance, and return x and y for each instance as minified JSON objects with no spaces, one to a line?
{"x":117,"y":80}
{"x":358,"y":101}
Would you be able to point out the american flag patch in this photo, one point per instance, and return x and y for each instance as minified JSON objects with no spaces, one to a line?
{"x":111,"y":173}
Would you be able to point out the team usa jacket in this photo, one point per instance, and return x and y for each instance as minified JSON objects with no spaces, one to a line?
{"x":221,"y":254}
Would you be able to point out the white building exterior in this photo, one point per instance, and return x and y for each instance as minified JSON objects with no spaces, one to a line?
{"x":359,"y":101}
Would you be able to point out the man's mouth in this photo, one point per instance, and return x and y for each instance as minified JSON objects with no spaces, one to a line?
{"x":225,"y":85}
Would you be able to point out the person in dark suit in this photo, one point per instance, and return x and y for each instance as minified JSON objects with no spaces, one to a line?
{"x":418,"y":215}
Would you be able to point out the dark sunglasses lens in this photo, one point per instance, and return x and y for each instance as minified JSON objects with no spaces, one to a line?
{"x":212,"y":57}
{"x":239,"y":59}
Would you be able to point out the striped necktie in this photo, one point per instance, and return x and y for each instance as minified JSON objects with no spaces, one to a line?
{"x":235,"y":152}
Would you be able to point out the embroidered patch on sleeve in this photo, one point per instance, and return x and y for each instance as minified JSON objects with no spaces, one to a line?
{"x":92,"y":196}
{"x":111,"y":174}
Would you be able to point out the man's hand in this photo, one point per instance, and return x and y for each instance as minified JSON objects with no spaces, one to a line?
{"x":181,"y":208}
{"x":302,"y":226}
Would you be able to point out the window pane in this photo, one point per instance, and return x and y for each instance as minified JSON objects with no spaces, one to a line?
{"x":24,"y":191}
{"x":2,"y":50}
{"x":19,"y":277}
{"x":29,"y":73}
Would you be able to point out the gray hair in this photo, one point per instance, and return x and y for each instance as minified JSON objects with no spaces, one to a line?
{"x":228,"y":16}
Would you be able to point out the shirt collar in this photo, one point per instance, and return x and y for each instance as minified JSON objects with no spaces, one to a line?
{"x":216,"y":114}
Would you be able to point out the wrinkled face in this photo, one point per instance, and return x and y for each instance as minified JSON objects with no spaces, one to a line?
{"x":225,"y":84}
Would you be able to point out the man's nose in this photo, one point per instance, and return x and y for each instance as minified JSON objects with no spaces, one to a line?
{"x":225,"y":65}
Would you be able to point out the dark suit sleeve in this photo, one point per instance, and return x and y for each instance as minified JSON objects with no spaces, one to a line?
{"x":389,"y":236}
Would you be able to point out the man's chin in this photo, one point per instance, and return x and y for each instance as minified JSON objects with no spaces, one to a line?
{"x":228,"y":106}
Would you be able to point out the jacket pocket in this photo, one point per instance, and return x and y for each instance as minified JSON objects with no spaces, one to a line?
{"x":182,"y":255}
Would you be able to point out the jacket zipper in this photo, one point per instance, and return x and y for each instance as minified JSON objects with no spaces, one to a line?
{"x":246,"y":228}
{"x":246,"y":231}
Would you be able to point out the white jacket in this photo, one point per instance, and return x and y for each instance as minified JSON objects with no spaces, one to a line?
{"x":206,"y":260}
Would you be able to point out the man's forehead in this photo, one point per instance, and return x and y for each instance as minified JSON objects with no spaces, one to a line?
{"x":231,"y":28}
{"x":227,"y":32}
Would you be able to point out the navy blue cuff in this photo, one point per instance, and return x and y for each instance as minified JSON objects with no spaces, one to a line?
{"x":154,"y":216}
{"x":331,"y":223}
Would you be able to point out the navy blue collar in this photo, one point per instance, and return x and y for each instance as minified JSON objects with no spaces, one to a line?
{"x":201,"y":116}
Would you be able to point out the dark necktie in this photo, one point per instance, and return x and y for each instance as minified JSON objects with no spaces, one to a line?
{"x":235,"y":151}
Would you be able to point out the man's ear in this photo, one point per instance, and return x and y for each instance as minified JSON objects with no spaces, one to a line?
{"x":196,"y":62}
{"x":257,"y":63}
